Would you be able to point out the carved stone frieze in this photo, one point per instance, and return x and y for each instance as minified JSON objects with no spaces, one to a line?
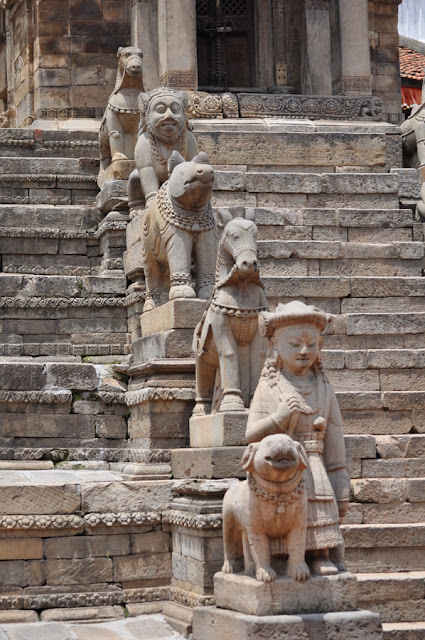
{"x":180,"y":80}
{"x":47,"y":271}
{"x":104,"y":598}
{"x":69,"y":112}
{"x":60,"y":303}
{"x":355,"y":84}
{"x":122,"y":519}
{"x":15,"y":232}
{"x":311,"y":107}
{"x":318,"y":5}
{"x":143,"y":456}
{"x":155,"y":393}
{"x":45,"y":397}
{"x":193,"y":521}
{"x":71,"y":144}
{"x":41,"y":522}
{"x":16,"y":142}
{"x":230,"y":105}
{"x":205,"y":105}
{"x":111,"y":225}
{"x":112,"y":398}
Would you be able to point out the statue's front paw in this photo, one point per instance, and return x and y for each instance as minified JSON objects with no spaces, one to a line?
{"x":118,"y":156}
{"x":298,"y":571}
{"x":227,"y":567}
{"x":266,"y":574}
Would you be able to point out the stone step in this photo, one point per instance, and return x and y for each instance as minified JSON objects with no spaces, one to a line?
{"x":320,"y":258}
{"x":32,"y":219}
{"x":48,"y":143}
{"x":404,"y":630}
{"x":397,"y":597}
{"x":63,"y":287}
{"x":384,"y":548}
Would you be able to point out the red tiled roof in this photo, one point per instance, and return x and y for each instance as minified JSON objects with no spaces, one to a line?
{"x":412,"y":64}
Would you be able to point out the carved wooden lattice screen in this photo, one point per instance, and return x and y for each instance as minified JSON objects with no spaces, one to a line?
{"x":225,"y":43}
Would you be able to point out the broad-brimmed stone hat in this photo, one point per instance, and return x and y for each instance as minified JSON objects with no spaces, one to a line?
{"x":292,"y":313}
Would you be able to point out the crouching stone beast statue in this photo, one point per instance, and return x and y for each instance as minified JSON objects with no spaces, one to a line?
{"x":178,"y":225}
{"x":120,"y":123}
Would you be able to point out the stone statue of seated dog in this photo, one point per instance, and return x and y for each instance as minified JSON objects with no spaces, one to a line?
{"x":271,"y":504}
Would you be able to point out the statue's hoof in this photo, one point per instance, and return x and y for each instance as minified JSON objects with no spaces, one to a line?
{"x":323,"y":567}
{"x":149,"y":306}
{"x":205,"y":292}
{"x":231,"y":402}
{"x":202,"y":409}
{"x":118,"y":156}
{"x":182,"y":291}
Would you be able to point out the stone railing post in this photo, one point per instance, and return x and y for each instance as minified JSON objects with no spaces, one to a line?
{"x":177,"y":44}
{"x":355,"y":52}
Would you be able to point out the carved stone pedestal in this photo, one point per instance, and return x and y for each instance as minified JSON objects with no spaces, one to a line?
{"x":211,"y":463}
{"x":218,"y":429}
{"x":111,"y":234}
{"x":210,"y":623}
{"x":161,"y":391}
{"x":285,"y":595}
{"x":195,"y":521}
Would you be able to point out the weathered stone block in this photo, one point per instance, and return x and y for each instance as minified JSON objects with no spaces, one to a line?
{"x":78,"y":571}
{"x":285,"y":596}
{"x":87,"y":546}
{"x":218,"y":430}
{"x":147,"y":566}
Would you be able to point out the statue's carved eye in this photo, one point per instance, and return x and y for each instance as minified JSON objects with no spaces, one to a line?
{"x":235,"y":236}
{"x":175,"y":108}
{"x":294,"y":344}
{"x":160,"y":108}
{"x":312,"y":345}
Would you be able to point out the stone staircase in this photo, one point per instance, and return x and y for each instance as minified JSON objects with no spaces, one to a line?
{"x":331,"y":233}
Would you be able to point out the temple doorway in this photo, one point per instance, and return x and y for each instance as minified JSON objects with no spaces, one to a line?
{"x":226,"y":44}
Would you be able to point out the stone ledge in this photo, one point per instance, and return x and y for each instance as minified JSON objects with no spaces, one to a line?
{"x":181,"y":313}
{"x":218,"y":430}
{"x":210,"y":623}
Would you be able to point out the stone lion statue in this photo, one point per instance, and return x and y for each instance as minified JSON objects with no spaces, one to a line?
{"x":164,"y":128}
{"x":120,"y":123}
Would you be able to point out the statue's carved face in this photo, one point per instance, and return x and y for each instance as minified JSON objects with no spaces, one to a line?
{"x":298,"y":348}
{"x":166,"y":115}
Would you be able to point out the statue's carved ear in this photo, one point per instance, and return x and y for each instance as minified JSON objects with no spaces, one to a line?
{"x":250,"y":214}
{"x":142,"y":102}
{"x":175,"y":159}
{"x":119,"y":51}
{"x":184,"y":98}
{"x":303,"y":456}
{"x":248,"y":456}
{"x":223,"y":216}
{"x":237,"y":212}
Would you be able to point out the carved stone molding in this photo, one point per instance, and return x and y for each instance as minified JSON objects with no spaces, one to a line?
{"x":193,"y":521}
{"x":61,"y":303}
{"x":105,"y":598}
{"x":179,"y":80}
{"x":122,"y":519}
{"x":15,"y":232}
{"x":356,"y":85}
{"x":111,"y":225}
{"x":45,"y":397}
{"x":84,"y":454}
{"x":155,"y":393}
{"x":47,"y":271}
{"x":12,"y":142}
{"x":311,"y":107}
{"x":205,"y":105}
{"x":112,"y":398}
{"x":320,"y":5}
{"x":70,"y":112}
{"x":23,"y":522}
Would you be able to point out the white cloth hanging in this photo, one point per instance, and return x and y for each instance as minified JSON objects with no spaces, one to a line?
{"x":411,"y":19}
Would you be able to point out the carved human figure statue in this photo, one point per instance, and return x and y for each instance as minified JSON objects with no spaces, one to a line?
{"x":294,"y":397}
{"x":164,"y":128}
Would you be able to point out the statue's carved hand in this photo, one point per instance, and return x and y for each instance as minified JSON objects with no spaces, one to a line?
{"x":285,"y":411}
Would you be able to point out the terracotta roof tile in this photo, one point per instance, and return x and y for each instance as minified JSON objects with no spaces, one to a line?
{"x":412,"y":64}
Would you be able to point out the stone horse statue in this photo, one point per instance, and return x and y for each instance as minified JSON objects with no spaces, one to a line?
{"x":120,"y":122}
{"x":229,"y":349}
{"x":177,"y":226}
{"x":413,"y":140}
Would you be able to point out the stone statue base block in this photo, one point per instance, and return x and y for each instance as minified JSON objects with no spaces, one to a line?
{"x":181,"y":313}
{"x":117,"y":170}
{"x":285,"y":595}
{"x":210,"y":623}
{"x":211,"y":463}
{"x":112,"y":196}
{"x":218,"y":429}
